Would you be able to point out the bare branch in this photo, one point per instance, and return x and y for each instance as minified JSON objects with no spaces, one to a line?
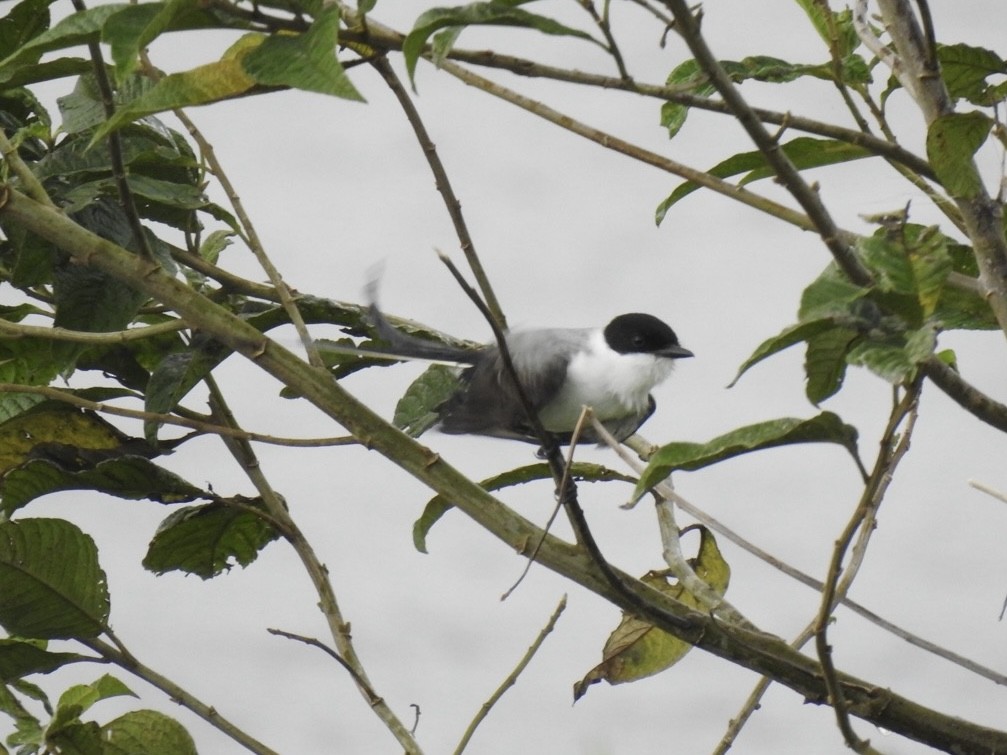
{"x":511,"y":677}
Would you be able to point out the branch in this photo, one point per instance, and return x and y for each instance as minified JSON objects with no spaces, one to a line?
{"x":790,"y":177}
{"x":621,"y":146}
{"x":339,"y":628}
{"x":970,"y":398}
{"x":200,"y":426}
{"x":115,"y":147}
{"x":443,"y":183}
{"x":13,"y":330}
{"x":511,"y":677}
{"x":762,"y":653}
{"x":127,"y":661}
{"x":893,"y":448}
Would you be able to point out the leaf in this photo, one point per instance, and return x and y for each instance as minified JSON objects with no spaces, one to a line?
{"x":825,"y":363}
{"x":19,"y":657}
{"x":438,"y":505}
{"x":805,"y":152}
{"x":416,"y":411}
{"x":209,"y":539}
{"x":135,"y":27}
{"x":23,"y":22}
{"x":146,"y":732}
{"x":915,"y":260}
{"x":895,"y":360}
{"x":966,"y":71}
{"x":75,"y":29}
{"x":689,"y":77}
{"x":303,"y":61}
{"x":80,"y":697}
{"x":835,"y":28}
{"x":823,"y":428}
{"x":491,"y":13}
{"x":222,"y":80}
{"x":54,"y":422}
{"x":952,"y":141}
{"x":785,"y":339}
{"x":176,"y":374}
{"x":129,"y":477}
{"x":51,"y":585}
{"x":830,"y":294}
{"x":637,"y":649}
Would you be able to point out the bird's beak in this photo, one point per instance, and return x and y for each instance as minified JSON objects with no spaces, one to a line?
{"x":675,"y":352}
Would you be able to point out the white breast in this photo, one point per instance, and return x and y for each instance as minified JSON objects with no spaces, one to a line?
{"x":614,"y":385}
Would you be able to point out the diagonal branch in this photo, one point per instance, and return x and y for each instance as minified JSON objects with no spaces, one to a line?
{"x":753,"y":650}
{"x":790,"y":177}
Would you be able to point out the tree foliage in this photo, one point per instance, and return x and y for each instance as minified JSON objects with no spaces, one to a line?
{"x":121,"y":307}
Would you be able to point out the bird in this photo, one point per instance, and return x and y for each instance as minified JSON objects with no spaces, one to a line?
{"x":611,"y":369}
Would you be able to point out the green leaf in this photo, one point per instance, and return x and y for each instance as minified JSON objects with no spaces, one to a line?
{"x":222,"y":80}
{"x":129,"y":477}
{"x":895,"y":360}
{"x":416,"y":411}
{"x":825,"y":362}
{"x":966,"y":71}
{"x":23,"y":22}
{"x":438,"y":505}
{"x":952,"y":141}
{"x":303,"y":61}
{"x":689,"y":77}
{"x":492,"y":13}
{"x":51,"y":585}
{"x":914,"y":260}
{"x":210,"y":539}
{"x":76,"y":29}
{"x":176,"y":374}
{"x":829,"y":295}
{"x":20,"y":658}
{"x":785,"y":339}
{"x":51,"y":423}
{"x":805,"y":152}
{"x":823,"y":428}
{"x":81,"y":697}
{"x":638,"y":649}
{"x":835,"y":28}
{"x":146,"y":732}
{"x":28,"y":729}
{"x":134,"y":28}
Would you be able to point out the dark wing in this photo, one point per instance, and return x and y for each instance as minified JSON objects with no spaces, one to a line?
{"x":487,"y":402}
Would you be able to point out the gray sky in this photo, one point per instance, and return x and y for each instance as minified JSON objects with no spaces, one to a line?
{"x":566,"y":232}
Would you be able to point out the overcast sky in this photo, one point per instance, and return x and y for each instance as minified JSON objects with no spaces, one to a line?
{"x":566,"y":231}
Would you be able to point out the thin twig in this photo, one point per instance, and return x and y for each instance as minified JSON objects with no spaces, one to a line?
{"x":12,"y":330}
{"x":893,"y":449}
{"x":32,"y":186}
{"x":789,"y":176}
{"x":511,"y":677}
{"x":602,"y":22}
{"x":609,"y":141}
{"x":443,"y":184}
{"x":364,"y":685}
{"x":115,"y":147}
{"x":339,"y":628}
{"x":249,"y":234}
{"x":201,"y":426}
{"x":574,"y":439}
{"x":208,"y":713}
{"x":680,"y":568}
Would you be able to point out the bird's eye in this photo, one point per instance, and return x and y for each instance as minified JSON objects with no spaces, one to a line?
{"x":639,"y":341}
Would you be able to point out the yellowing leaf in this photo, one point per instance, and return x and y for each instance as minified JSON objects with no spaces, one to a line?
{"x":637,"y":649}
